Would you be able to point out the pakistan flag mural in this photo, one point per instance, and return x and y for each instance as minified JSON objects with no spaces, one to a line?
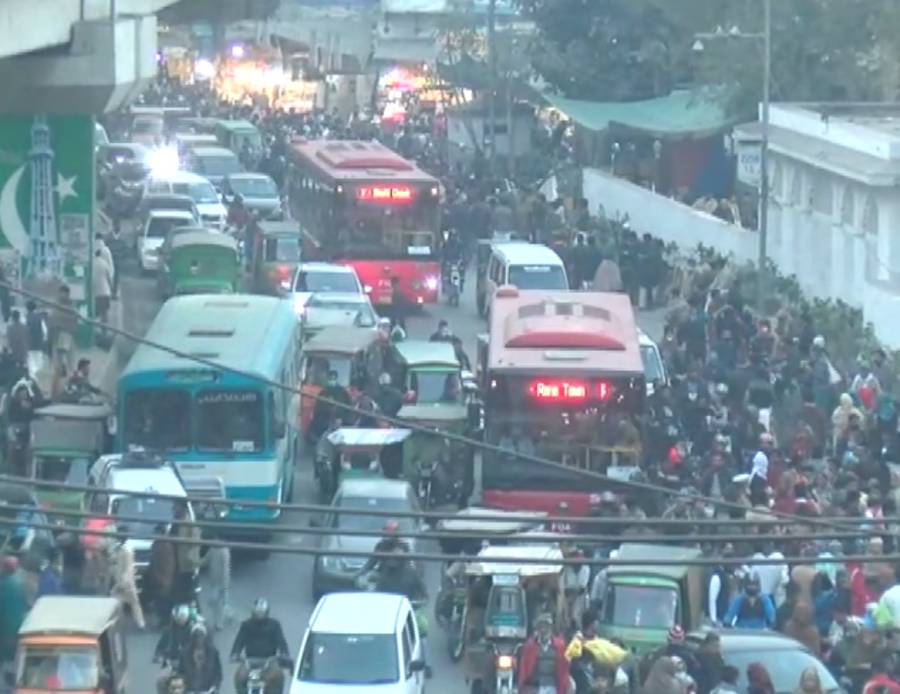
{"x":46,"y":191}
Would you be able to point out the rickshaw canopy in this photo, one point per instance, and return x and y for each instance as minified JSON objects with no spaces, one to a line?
{"x":642,"y":552}
{"x":70,"y":616}
{"x":437,"y":413}
{"x":75,"y":411}
{"x":424,"y":353}
{"x":336,"y":340}
{"x":463,"y":522}
{"x":353,"y":437}
{"x":203,"y":238}
{"x":66,"y":436}
{"x":279,"y":228}
{"x":550,"y":556}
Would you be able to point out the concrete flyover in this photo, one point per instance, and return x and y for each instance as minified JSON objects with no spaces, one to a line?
{"x":75,"y":56}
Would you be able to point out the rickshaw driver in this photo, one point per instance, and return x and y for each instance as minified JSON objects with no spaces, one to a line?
{"x":325,"y":411}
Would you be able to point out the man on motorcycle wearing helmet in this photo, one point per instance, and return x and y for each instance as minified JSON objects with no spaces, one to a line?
{"x":391,"y":541}
{"x":260,"y":638}
{"x":172,"y":643}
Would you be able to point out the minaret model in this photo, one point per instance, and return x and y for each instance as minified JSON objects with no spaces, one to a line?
{"x":42,"y":227}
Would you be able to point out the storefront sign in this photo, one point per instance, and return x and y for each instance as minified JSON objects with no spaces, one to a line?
{"x":749,"y":155}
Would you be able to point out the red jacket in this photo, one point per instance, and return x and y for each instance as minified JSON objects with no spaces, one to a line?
{"x":860,"y":594}
{"x":528,"y":658}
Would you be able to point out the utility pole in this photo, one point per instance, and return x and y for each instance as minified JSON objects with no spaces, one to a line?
{"x":492,"y":92}
{"x":764,"y":153}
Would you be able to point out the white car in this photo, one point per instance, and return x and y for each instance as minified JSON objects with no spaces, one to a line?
{"x":337,"y":309}
{"x":361,"y":642}
{"x":141,"y":473}
{"x":322,"y":278}
{"x":155,"y":232}
{"x":212,"y":212}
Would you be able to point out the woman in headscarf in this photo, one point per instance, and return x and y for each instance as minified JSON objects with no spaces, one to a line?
{"x":840,"y":418}
{"x":810,"y":683}
{"x":758,"y":680}
{"x":663,"y":678}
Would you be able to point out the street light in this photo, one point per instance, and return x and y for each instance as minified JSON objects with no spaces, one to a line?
{"x":766,"y":37}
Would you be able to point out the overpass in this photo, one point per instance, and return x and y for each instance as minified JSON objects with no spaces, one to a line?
{"x":75,"y":56}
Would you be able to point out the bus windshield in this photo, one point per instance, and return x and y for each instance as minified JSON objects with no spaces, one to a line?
{"x":158,"y":419}
{"x":230,"y":420}
{"x":370,"y":232}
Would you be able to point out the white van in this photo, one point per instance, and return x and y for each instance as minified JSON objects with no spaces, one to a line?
{"x":359,"y":642}
{"x":527,"y":266}
{"x":212,"y":212}
{"x":654,"y":367}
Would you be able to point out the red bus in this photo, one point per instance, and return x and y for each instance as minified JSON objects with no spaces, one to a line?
{"x":361,"y":204}
{"x":563,"y":380}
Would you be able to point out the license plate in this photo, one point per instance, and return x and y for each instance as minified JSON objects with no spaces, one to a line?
{"x":557,"y":527}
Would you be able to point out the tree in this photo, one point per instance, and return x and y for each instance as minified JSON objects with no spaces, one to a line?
{"x":615,"y":50}
{"x":618,"y":50}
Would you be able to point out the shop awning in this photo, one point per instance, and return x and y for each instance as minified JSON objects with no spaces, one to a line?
{"x":406,"y":50}
{"x":685,"y":112}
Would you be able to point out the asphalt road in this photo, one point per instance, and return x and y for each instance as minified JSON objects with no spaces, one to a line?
{"x":285,"y":579}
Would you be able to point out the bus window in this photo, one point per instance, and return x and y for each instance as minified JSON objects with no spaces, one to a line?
{"x":158,"y":419}
{"x":229,"y":420}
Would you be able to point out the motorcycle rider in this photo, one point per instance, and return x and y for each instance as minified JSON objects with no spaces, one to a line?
{"x":398,"y":575}
{"x":260,"y":638}
{"x":325,"y":411}
{"x":172,"y":643}
{"x":388,"y":398}
{"x":200,"y":664}
{"x":391,"y":541}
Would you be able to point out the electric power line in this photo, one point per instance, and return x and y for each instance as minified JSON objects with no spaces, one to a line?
{"x":448,"y":436}
{"x":449,"y":558}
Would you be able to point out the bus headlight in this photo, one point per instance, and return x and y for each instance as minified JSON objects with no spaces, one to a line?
{"x":431,"y":283}
{"x":506,"y":662}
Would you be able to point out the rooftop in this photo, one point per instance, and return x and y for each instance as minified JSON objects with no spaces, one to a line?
{"x":339,"y":613}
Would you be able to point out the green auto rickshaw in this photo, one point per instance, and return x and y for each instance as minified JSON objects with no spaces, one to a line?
{"x":353,"y":452}
{"x":200,"y":262}
{"x":276,"y":257}
{"x":67,"y":439}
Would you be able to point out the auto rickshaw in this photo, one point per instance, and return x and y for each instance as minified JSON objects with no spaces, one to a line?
{"x":503,"y":600}
{"x":333,"y":349}
{"x":349,"y":452}
{"x":74,"y":644}
{"x":200,"y":262}
{"x":431,"y":373}
{"x":67,"y":439}
{"x":642,"y":602}
{"x":276,"y":257}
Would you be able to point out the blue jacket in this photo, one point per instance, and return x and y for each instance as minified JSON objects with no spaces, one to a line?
{"x":737,"y":617}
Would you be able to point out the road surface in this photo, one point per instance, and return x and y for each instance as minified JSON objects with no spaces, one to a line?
{"x":285,"y":580}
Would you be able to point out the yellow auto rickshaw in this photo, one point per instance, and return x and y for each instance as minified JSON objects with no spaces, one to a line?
{"x":71,"y":643}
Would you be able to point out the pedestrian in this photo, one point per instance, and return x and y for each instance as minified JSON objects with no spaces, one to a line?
{"x":187,"y":554}
{"x":50,"y":580}
{"x":159,"y":579}
{"x":758,"y":680}
{"x":543,"y":668}
{"x":608,"y":277}
{"x":801,"y":626}
{"x":663,"y":678}
{"x":62,"y":326}
{"x":575,"y":580}
{"x":711,"y":664}
{"x":729,"y":682}
{"x":218,"y":565}
{"x":17,"y":338}
{"x":37,"y":338}
{"x":13,"y":607}
{"x":101,"y":282}
{"x":750,"y":610}
{"x":810,"y":682}
{"x":124,"y":580}
{"x":107,"y":255}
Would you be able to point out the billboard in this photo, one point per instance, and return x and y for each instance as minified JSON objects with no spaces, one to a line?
{"x":47,"y":191}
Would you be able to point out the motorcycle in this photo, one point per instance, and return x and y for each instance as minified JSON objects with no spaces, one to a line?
{"x":256,"y":668}
{"x":450,"y":612}
{"x":424,"y":484}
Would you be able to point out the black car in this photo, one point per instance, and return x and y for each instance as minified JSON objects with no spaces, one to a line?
{"x":126,"y":186}
{"x":784,"y":658}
